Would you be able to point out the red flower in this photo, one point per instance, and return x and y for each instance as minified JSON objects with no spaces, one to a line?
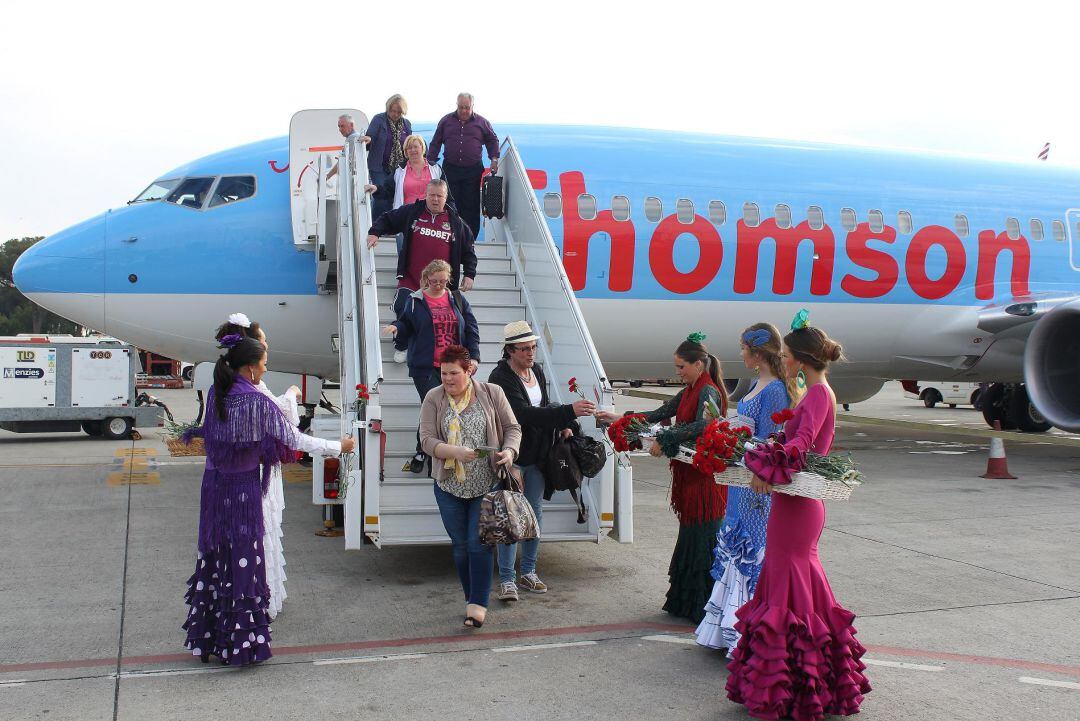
{"x":362,"y":392}
{"x":573,"y":385}
{"x":782,"y":416}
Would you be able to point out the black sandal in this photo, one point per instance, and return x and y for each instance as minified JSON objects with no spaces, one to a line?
{"x":471,"y":622}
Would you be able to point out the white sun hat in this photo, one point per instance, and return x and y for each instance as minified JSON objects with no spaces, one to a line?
{"x":518,"y":332}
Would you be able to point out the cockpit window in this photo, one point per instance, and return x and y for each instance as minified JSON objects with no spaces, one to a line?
{"x":232,"y":188}
{"x":191,"y":192}
{"x":157,"y":190}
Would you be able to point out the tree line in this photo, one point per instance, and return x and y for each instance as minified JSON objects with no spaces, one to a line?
{"x":19,"y":314}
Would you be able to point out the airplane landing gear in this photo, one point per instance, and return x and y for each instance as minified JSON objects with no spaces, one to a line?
{"x":1009,"y":403}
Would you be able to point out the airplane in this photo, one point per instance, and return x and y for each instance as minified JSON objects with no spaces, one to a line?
{"x":922,"y":265}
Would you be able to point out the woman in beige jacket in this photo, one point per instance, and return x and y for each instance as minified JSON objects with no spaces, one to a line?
{"x":468,"y":429}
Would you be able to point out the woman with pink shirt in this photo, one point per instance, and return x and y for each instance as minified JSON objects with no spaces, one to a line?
{"x":411,"y":181}
{"x":797,"y":656}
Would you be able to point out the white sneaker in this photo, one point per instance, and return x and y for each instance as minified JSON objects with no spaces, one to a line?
{"x":508,"y":592}
{"x":399,"y":356}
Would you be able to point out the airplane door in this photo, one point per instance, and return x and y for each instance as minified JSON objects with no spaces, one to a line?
{"x":1072,"y":229}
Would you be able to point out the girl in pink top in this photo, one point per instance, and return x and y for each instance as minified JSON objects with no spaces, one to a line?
{"x":797,"y":655}
{"x":410,"y":182}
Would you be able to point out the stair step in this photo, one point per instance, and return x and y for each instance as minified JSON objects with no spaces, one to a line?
{"x":479,"y":295}
{"x":388,"y":247}
{"x":484,"y":265}
{"x":485,"y":312}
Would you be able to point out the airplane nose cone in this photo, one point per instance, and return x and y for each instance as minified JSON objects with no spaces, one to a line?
{"x":65,"y":273}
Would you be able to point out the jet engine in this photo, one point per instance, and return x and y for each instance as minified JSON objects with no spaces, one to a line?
{"x":1052,"y":366}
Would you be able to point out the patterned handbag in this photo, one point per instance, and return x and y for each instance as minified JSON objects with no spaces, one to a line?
{"x":506,"y":516}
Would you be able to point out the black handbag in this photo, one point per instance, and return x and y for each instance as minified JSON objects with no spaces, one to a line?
{"x":590,"y":454}
{"x":562,"y":473}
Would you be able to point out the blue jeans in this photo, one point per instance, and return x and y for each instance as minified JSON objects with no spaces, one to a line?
{"x":461,"y":518}
{"x":424,"y":383}
{"x":534,"y":489}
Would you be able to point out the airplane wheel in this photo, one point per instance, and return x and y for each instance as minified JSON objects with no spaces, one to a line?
{"x":1024,"y":412}
{"x":995,"y":408}
{"x":931,"y":398}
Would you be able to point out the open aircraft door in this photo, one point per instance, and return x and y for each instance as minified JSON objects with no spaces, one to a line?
{"x":1072,"y":225}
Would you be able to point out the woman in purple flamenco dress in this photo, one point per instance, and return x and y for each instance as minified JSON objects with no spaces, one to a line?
{"x":246,"y":435}
{"x":797,"y":655}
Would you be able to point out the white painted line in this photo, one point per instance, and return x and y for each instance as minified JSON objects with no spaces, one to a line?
{"x":174,"y":672}
{"x":542,"y":646}
{"x":1048,"y":682}
{"x":14,"y":682}
{"x":670,"y":639}
{"x":900,"y":664}
{"x":366,"y":659}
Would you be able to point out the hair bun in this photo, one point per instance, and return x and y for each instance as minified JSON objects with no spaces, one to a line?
{"x":833,"y":351}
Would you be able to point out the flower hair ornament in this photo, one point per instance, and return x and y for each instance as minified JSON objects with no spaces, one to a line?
{"x":756,"y":338}
{"x":801,"y":320}
{"x":230,"y":341}
{"x":240,"y":319}
{"x":696,"y":337}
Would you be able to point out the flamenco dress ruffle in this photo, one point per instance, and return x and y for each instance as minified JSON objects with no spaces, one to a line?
{"x":797,"y":656}
{"x":273,"y":510}
{"x":736,"y":568}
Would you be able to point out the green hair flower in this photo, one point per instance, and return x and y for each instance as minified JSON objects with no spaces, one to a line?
{"x":696,"y":337}
{"x":801,"y":320}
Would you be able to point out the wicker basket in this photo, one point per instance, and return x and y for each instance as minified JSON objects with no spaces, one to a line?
{"x":178,"y":448}
{"x":803,"y":483}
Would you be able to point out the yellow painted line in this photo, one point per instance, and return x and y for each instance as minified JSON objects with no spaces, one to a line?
{"x":58,"y":465}
{"x":135,"y":452}
{"x":134,"y":478}
{"x":607,"y":516}
{"x":371,"y":520}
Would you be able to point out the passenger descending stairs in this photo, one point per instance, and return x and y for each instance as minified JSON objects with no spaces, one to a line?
{"x":407,"y":504}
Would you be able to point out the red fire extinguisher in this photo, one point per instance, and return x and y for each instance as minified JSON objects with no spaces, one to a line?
{"x":331,"y":484}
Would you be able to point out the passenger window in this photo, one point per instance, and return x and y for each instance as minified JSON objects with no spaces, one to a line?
{"x":620,"y":207}
{"x":783,"y":216}
{"x":191,"y":193}
{"x":848,"y":219}
{"x":586,"y":206}
{"x":233,"y":188}
{"x":815,"y":216}
{"x":1036,"y":229}
{"x":751,"y":214}
{"x":684,"y":211}
{"x":877,"y":221}
{"x":552,"y":205}
{"x":1058,"y":229}
{"x":1012,"y":227}
{"x":654,"y":209}
{"x":903,"y":221}
{"x":960,"y":222}
{"x":717,"y":212}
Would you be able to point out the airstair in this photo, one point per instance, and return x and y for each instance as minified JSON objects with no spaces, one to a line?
{"x":519,"y":275}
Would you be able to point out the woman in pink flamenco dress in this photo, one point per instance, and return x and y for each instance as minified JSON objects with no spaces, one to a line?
{"x":797,"y":656}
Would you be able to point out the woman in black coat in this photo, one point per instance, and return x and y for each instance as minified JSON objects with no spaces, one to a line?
{"x":523,"y":381}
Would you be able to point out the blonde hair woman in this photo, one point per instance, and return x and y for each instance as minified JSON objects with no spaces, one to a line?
{"x":385,"y":134}
{"x":411,"y":181}
{"x":431,"y":321}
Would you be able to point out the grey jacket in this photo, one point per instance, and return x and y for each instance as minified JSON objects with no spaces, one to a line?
{"x":502,"y":426}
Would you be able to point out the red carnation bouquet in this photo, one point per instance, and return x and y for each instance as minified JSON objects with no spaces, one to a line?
{"x":626,"y":432}
{"x":720,"y":445}
{"x":783,"y":416}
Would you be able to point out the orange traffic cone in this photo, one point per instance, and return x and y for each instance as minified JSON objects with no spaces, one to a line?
{"x":996,"y":465}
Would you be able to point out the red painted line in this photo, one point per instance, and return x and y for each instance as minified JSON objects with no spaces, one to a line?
{"x":979,"y":660}
{"x":487,"y":637}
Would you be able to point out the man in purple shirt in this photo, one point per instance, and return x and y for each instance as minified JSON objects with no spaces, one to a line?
{"x":463,"y":135}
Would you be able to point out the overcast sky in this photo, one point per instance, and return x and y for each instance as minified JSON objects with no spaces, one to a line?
{"x":99,"y":99}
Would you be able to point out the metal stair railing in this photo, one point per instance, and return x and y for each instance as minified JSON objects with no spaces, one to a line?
{"x":566,"y":348}
{"x":360,"y":352}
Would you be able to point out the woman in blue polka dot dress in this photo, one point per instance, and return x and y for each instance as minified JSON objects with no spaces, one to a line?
{"x":740,"y":547}
{"x":246,"y":435}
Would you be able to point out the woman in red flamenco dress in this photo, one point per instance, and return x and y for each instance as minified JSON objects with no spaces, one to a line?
{"x":797,"y":657}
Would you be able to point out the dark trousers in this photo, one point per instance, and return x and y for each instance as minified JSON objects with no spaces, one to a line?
{"x":461,"y":518}
{"x":464,"y":185}
{"x":383,"y":199}
{"x":424,"y":380}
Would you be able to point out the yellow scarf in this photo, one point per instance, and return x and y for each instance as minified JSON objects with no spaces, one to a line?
{"x":453,"y":436}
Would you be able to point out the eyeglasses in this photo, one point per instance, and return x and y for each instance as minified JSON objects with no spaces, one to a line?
{"x":525,"y":348}
{"x":436,"y":281}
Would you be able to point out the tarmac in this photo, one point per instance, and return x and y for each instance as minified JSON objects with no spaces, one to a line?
{"x":967,"y":592}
